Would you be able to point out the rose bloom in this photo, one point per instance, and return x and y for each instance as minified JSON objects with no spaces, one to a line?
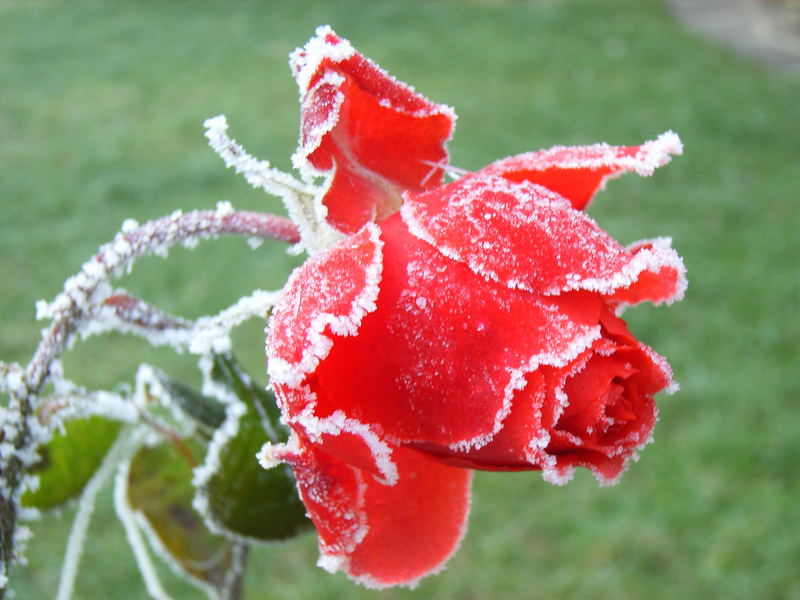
{"x":459,"y":326}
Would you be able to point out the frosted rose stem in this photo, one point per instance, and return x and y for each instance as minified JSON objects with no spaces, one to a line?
{"x":89,"y":287}
{"x":301,"y":199}
{"x":72,"y":308}
{"x":127,"y":314}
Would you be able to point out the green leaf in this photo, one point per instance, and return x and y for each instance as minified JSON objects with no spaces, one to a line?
{"x":251,"y":501}
{"x":244,"y":498}
{"x":228,"y":372}
{"x":69,"y":460}
{"x":206,"y":411}
{"x":160,"y":488}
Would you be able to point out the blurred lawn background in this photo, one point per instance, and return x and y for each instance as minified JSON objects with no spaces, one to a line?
{"x":101,"y":111}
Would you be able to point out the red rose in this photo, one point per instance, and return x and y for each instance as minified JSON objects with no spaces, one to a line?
{"x":473,"y":328}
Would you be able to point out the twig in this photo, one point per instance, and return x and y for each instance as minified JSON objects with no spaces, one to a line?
{"x":72,"y":309}
{"x":128,"y":314}
{"x":303,"y":201}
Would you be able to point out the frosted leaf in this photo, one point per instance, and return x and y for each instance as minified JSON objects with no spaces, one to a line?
{"x":118,"y":453}
{"x":134,"y":535}
{"x":202,"y":474}
{"x":159,"y":491}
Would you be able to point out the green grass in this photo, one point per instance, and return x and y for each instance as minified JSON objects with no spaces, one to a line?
{"x":101,"y":106}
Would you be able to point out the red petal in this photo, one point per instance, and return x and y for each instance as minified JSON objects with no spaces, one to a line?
{"x":381,"y":535}
{"x":662,"y":275}
{"x":579,"y":172}
{"x":329,"y":294}
{"x":656,"y":372}
{"x":347,"y":439}
{"x":526,"y":236}
{"x":375,"y":134}
{"x":610,"y":411}
{"x":443,"y":342}
{"x":513,"y":448}
{"x":588,"y":391}
{"x":595,"y":412}
{"x":332,"y":491}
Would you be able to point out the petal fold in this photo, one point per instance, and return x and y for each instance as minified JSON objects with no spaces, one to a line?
{"x":579,"y":172}
{"x":526,"y":236}
{"x":443,"y":342}
{"x":346,"y":438}
{"x":371,"y":134}
{"x":660,"y":275}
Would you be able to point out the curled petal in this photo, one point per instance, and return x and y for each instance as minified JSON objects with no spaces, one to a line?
{"x":329,"y":294}
{"x":347,"y":439}
{"x":380,"y":535}
{"x":374,"y":135}
{"x":332,"y":491}
{"x":579,"y":172}
{"x":510,"y":448}
{"x":661,"y":275}
{"x":525,"y":236}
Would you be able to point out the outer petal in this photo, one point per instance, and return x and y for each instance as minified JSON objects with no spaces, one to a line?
{"x":329,"y":294}
{"x":372,"y":133}
{"x":442,"y":342}
{"x":511,"y":448}
{"x":525,"y":236}
{"x":358,"y":444}
{"x":579,"y":172}
{"x":380,"y":535}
